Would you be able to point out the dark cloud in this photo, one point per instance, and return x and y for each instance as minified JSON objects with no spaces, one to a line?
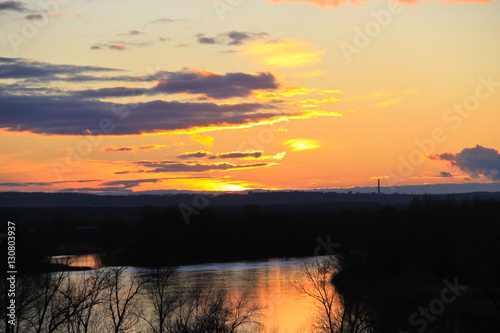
{"x":208,"y":84}
{"x":25,"y":184}
{"x":20,"y":68}
{"x":230,"y":38}
{"x":445,"y":174}
{"x":477,"y":161}
{"x":111,"y":149}
{"x":122,"y":45}
{"x":255,"y":154}
{"x":16,"y":6}
{"x":45,"y":183}
{"x":215,"y":85}
{"x":132,"y":33}
{"x":115,"y":190}
{"x":233,"y":154}
{"x":119,"y":149}
{"x":238,"y":154}
{"x":71,"y":116}
{"x":113,"y":92}
{"x":197,"y":154}
{"x":17,"y":89}
{"x":34,"y":17}
{"x":126,"y":184}
{"x":205,"y":40}
{"x":170,"y":166}
{"x":32,"y":105}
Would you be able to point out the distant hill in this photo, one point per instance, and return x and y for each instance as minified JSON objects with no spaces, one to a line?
{"x":40,"y":199}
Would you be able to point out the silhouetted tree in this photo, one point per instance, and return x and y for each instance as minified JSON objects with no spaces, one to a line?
{"x":160,"y":292}
{"x":122,"y":293}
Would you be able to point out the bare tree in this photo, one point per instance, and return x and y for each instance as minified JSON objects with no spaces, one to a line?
{"x":84,"y":294}
{"x":122,"y":293}
{"x":315,"y":281}
{"x":49,"y":308}
{"x":205,"y":309}
{"x":159,"y":290}
{"x":337,"y":313}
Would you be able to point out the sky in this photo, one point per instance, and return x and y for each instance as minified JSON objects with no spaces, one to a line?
{"x":108,"y":96}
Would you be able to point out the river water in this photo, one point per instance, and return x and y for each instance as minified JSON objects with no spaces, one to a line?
{"x":269,"y":282}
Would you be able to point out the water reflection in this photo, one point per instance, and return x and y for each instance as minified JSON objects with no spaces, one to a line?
{"x":266,"y":282}
{"x":83,"y":260}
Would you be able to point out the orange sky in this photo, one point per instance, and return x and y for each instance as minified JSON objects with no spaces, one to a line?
{"x":228,"y":96}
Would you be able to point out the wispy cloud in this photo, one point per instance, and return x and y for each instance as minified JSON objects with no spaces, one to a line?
{"x":112,"y":149}
{"x":166,"y":20}
{"x":284,"y":53}
{"x":302,"y":144}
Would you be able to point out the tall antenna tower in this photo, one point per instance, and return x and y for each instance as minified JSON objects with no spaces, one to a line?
{"x":379,"y":186}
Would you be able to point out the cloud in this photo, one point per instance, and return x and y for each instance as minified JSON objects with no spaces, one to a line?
{"x":477,"y":161}
{"x":239,"y":154}
{"x":253,"y":154}
{"x":284,"y":53}
{"x":115,"y":190}
{"x":20,"y":68}
{"x":196,"y":154}
{"x":118,"y":47}
{"x":338,"y":3}
{"x":111,"y":149}
{"x":72,"y":116}
{"x":193,"y":81}
{"x":26,"y":184}
{"x":34,"y":17}
{"x":230,"y":38}
{"x":126,"y":184}
{"x":302,"y":144}
{"x":16,"y":6}
{"x":445,"y":174}
{"x":203,"y":140}
{"x":122,"y":45}
{"x":132,"y":33}
{"x":101,"y":46}
{"x":170,"y":166}
{"x":166,"y":20}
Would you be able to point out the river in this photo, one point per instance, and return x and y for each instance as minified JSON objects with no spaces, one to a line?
{"x":268,"y":282}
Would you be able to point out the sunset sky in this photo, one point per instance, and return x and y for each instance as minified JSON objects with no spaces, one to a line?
{"x":122,"y":96}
